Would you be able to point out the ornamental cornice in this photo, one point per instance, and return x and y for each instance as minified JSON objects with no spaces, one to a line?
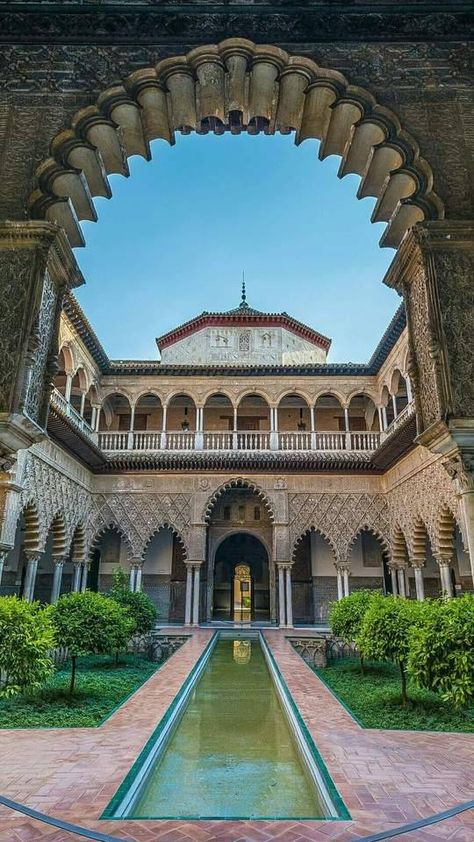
{"x":268,"y":20}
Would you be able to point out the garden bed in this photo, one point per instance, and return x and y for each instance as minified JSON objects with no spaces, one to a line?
{"x":374,"y":699}
{"x":101,"y":687}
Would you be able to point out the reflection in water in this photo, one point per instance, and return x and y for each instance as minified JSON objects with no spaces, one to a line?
{"x":242,"y":651}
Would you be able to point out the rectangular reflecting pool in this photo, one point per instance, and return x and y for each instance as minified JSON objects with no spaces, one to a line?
{"x":232,"y":751}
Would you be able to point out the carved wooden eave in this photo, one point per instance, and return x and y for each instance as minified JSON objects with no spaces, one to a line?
{"x":270,"y":20}
{"x":287,"y":462}
{"x":62,"y":430}
{"x":395,"y":446}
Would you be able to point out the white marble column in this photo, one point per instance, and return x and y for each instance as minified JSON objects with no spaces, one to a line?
{"x":281,"y":596}
{"x":76,"y":579}
{"x":196,"y":594}
{"x":57,"y":578}
{"x":345,"y":576}
{"x":30,"y":577}
{"x":84,"y":574}
{"x":289,"y":598}
{"x":419,"y":584}
{"x":379,"y":410}
{"x":189,"y":595}
{"x":467,"y":503}
{"x":163,"y":427}
{"x":138,"y":580}
{"x":409,"y":389}
{"x":314,"y":442}
{"x":67,"y":391}
{"x":393,"y":576}
{"x":384,"y":416}
{"x":3,"y":555}
{"x":445,"y":574}
{"x":401,"y":582}
{"x":340,"y":585}
{"x":132,"y":578}
{"x":83,"y":403}
{"x":394,"y":404}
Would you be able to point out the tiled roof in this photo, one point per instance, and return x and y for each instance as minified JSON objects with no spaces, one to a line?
{"x":77,"y":317}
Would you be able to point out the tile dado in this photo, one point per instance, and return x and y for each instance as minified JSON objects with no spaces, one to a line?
{"x":386,"y":778}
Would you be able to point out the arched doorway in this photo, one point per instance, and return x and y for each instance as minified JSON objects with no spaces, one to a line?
{"x":241,"y":590}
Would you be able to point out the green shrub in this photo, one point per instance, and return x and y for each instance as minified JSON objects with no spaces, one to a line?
{"x":346,"y":615}
{"x":138,"y":604}
{"x":90,"y":623}
{"x":26,"y":637}
{"x":442,"y":650}
{"x":385,"y":632}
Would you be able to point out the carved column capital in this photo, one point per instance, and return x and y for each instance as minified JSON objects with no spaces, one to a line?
{"x":460,"y":467}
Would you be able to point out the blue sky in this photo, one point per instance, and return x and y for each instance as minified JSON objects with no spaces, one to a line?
{"x":175,"y":237}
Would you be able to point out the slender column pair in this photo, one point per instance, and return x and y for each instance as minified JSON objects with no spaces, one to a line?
{"x":30,"y":577}
{"x":342,"y":574}
{"x":79,"y":578}
{"x":193,"y":587}
{"x":445,"y":575}
{"x":135,"y":580}
{"x":285,"y":596}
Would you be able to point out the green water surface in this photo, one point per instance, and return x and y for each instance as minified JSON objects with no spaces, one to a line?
{"x":232,"y":754}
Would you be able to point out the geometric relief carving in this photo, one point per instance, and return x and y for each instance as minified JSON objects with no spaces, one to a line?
{"x":426,"y":349}
{"x":53,"y":493}
{"x":138,"y":516}
{"x":423,"y":496}
{"x":339,"y":518}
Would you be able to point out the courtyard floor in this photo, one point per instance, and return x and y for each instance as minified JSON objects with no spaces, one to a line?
{"x":386,"y":778}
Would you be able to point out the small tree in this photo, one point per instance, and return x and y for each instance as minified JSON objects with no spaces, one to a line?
{"x":139,"y":605}
{"x":346,"y":615}
{"x":442,"y":649}
{"x":90,"y":623}
{"x":385,"y":632}
{"x":26,"y":638}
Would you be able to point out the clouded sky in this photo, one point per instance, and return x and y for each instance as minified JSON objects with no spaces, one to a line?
{"x":174,"y":240}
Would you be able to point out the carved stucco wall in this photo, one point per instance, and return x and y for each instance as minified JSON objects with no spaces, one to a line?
{"x":339,"y":517}
{"x":419,"y":488}
{"x":423,"y":71}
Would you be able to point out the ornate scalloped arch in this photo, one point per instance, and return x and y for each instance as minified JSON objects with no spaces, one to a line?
{"x":112,"y":526}
{"x":318,"y":531}
{"x":163,"y":526}
{"x":381,"y":535}
{"x":230,"y":486}
{"x":236,"y":86}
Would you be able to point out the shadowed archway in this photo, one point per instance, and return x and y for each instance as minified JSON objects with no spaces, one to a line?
{"x":241,"y":579}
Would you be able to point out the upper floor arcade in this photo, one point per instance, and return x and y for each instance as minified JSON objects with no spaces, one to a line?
{"x":132,"y":407}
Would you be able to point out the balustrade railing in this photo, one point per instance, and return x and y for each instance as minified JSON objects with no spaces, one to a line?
{"x":59,"y":402}
{"x":294,"y":441}
{"x":180,"y":441}
{"x":113,"y":441}
{"x":402,"y":416}
{"x":330,"y":441}
{"x":218,"y":441}
{"x":252,"y":441}
{"x":146,"y":441}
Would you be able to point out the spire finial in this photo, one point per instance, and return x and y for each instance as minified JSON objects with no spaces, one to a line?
{"x":243,"y":303}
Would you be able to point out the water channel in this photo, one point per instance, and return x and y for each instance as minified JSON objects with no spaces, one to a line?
{"x":232,"y":754}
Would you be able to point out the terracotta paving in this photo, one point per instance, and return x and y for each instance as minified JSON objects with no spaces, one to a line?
{"x":386,"y":778}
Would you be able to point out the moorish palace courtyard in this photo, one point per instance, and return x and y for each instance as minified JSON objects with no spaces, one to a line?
{"x":236,"y":579}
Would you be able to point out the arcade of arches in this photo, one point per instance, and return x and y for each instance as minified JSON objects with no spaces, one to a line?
{"x":359,"y":474}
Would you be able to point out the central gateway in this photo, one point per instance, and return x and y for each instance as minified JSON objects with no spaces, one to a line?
{"x":240,"y":571}
{"x":241,"y":579}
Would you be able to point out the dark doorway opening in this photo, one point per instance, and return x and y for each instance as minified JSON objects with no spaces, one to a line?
{"x":241,"y":579}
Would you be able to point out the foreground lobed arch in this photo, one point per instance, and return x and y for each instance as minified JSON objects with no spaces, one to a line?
{"x":236,"y":86}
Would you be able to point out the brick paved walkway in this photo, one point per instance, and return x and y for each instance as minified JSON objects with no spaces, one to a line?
{"x":386,"y":778}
